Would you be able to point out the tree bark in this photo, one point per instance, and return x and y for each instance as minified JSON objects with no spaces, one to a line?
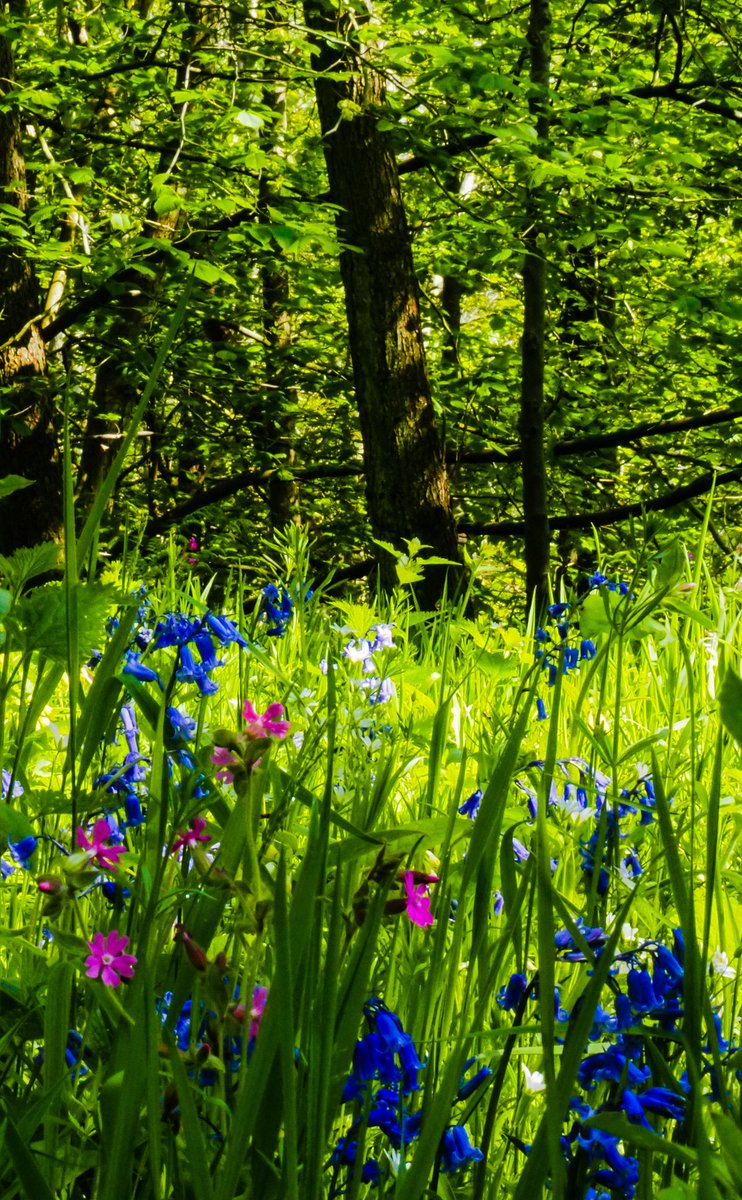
{"x":406,"y":479}
{"x":531,"y":422}
{"x":28,"y":435}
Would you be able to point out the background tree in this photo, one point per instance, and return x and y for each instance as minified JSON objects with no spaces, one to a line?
{"x":639,"y":240}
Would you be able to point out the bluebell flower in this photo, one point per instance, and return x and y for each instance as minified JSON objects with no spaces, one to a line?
{"x":23,"y":850}
{"x":225,"y":631}
{"x":133,"y":810}
{"x":179,"y":725}
{"x":175,"y":629}
{"x":277,"y":608}
{"x":457,"y":1151}
{"x":383,"y":691}
{"x":587,"y":649}
{"x":664,"y":1102}
{"x":137,"y":669}
{"x":467,"y":1087}
{"x":541,"y":713}
{"x":641,"y":992}
{"x":558,"y":610}
{"x":512,"y":993}
{"x":470,"y":807}
{"x":190,"y":671}
{"x":115,"y":893}
{"x":204,"y":643}
{"x":612,"y":1065}
{"x":16,"y":789}
{"x":383,"y":639}
{"x":498,"y":905}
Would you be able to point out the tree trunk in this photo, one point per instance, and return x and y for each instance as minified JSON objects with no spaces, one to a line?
{"x":406,"y":481}
{"x":28,"y":435}
{"x":531,"y":423}
{"x":274,"y":434}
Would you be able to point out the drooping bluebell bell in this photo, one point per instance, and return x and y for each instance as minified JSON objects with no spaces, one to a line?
{"x":512,"y":993}
{"x":277,"y":609}
{"x":470,"y":807}
{"x":467,"y":1087}
{"x":23,"y":850}
{"x":138,"y":670}
{"x":457,"y":1151}
{"x":191,"y":671}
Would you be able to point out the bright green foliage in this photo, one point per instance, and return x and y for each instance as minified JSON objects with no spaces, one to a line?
{"x":176,"y":141}
{"x":297,"y":888}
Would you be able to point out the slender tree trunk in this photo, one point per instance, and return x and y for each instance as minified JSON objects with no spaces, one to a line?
{"x":119,"y":379}
{"x":406,"y":481}
{"x":531,"y":423}
{"x":275,"y":431}
{"x":28,"y":436}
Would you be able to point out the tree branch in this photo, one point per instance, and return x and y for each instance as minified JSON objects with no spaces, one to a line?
{"x":225,"y":488}
{"x":611,"y":516}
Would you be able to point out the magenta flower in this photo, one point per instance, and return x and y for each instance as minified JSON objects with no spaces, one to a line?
{"x":418,"y":901}
{"x":103,"y":856}
{"x":190,"y":839}
{"x":224,"y":759}
{"x":257,"y":1008}
{"x":266,"y":724}
{"x":106,"y":960}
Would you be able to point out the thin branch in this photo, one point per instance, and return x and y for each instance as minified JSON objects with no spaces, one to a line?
{"x":611,"y":516}
{"x":225,"y":488}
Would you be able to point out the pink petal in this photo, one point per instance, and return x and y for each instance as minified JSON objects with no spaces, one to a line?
{"x":109,"y":976}
{"x":101,"y":831}
{"x":248,"y":712}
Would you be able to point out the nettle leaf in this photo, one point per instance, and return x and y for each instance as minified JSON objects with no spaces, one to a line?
{"x":30,"y":562}
{"x":13,"y":483}
{"x":38,"y":620}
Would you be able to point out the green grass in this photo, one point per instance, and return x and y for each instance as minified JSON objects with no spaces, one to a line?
{"x":300,"y":890}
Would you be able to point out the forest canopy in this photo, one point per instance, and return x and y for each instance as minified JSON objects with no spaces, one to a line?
{"x":463,"y":273}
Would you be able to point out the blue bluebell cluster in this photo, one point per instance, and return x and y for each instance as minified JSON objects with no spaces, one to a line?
{"x":385,"y":1073}
{"x":127,"y":781}
{"x":634,"y":1057}
{"x":199,"y":1039}
{"x":276,"y":609}
{"x":561,"y":648}
{"x":585,"y":800}
{"x":378,"y":686}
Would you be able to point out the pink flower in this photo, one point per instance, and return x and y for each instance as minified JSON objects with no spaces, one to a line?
{"x":259,"y":998}
{"x":265,"y":725}
{"x":418,"y":901}
{"x":257,"y":1008}
{"x":103,"y":856}
{"x":225,"y":759}
{"x":190,"y":839}
{"x":107,"y":959}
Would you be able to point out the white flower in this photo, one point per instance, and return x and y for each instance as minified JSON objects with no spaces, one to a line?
{"x":629,"y":932}
{"x":535,"y":1081}
{"x":357,"y":651}
{"x":720,"y":965}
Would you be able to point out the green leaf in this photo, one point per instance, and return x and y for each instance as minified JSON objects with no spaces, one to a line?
{"x":13,"y":483}
{"x":30,"y":562}
{"x":730,"y":704}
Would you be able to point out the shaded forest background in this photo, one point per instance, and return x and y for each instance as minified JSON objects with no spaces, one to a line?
{"x":467,"y":273}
